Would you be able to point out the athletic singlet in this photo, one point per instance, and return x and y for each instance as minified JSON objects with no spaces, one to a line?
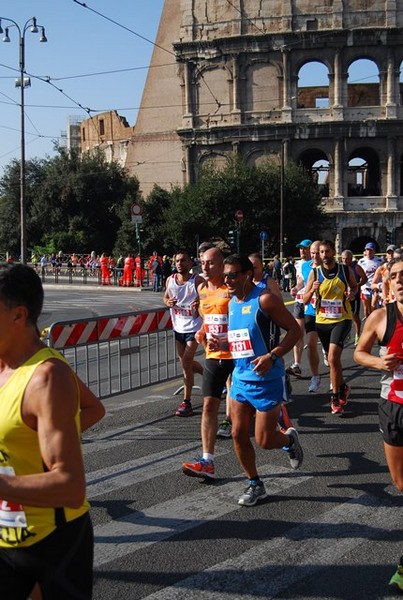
{"x":214,"y":310}
{"x":184,"y":318}
{"x":392,"y":383}
{"x":262,"y":284}
{"x":305,"y":271}
{"x":251,"y":333}
{"x":332,"y":306}
{"x":298,"y":270}
{"x":369,"y":265}
{"x":22,"y":526}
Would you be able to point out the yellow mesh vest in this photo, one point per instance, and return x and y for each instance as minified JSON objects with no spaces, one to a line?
{"x":331,"y":304}
{"x":22,"y":526}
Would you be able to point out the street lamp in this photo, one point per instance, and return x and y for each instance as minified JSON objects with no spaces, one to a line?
{"x":22,"y":83}
{"x":281,"y":199}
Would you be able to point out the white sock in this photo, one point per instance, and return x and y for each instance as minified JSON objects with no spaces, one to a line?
{"x":208,"y":457}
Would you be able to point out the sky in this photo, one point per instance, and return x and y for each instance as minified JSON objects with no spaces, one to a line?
{"x":90,"y":55}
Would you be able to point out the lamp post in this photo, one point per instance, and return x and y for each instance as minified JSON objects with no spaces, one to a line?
{"x":281,"y":200}
{"x":22,"y":83}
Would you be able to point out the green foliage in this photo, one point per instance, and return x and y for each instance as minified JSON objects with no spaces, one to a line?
{"x":73,"y":204}
{"x":82,"y":204}
{"x":207,"y":210}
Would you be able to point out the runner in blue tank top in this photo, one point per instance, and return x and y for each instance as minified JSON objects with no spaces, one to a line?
{"x":258,"y":381}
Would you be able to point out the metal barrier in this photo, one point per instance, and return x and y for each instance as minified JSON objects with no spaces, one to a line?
{"x":115,"y":354}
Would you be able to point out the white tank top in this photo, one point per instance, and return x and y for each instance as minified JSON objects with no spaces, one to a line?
{"x":184,"y":318}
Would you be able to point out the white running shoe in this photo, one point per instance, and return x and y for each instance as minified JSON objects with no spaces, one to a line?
{"x":314,"y":385}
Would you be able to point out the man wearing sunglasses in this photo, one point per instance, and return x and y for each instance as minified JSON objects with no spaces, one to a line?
{"x":258,"y":381}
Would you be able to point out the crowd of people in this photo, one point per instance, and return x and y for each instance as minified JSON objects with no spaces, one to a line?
{"x":235,"y":309}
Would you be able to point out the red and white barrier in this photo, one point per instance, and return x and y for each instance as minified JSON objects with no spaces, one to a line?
{"x":65,"y":334}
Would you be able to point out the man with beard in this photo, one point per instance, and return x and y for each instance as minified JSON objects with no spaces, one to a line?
{"x":335,"y":287}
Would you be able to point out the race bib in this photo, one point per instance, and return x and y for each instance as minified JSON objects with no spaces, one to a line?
{"x":240,"y":344}
{"x":11,"y":514}
{"x":216,"y":326}
{"x":331,"y":309}
{"x":183,"y":310}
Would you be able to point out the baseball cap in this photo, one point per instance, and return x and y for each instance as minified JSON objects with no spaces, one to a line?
{"x":304,"y":244}
{"x":391,"y":248}
{"x":370,"y":246}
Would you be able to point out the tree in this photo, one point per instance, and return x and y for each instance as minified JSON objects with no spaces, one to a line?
{"x":72,"y":203}
{"x":208,"y":208}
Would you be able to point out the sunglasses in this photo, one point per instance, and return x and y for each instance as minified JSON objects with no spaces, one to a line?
{"x":232,"y":275}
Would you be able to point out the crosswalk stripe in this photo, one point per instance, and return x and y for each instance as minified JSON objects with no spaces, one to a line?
{"x":271,"y":568}
{"x":125,"y":474}
{"x":157,"y":523}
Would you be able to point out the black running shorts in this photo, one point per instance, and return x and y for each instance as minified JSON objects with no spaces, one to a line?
{"x":62,"y":564}
{"x":335,"y":333}
{"x":215,"y":375}
{"x":391,"y":422}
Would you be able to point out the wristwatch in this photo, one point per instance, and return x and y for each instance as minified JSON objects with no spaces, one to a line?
{"x":273,"y":357}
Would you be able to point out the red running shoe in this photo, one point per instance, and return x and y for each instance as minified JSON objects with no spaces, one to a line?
{"x":201,"y":468}
{"x":184,"y":409}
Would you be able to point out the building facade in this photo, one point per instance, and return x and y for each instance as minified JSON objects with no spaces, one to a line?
{"x":224,"y":79}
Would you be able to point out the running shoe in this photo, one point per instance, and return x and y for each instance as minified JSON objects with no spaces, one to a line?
{"x":201,"y":468}
{"x":325,"y":360}
{"x":314,"y":385}
{"x":295,"y":452}
{"x":344,"y":393}
{"x":335,"y":406}
{"x":184,"y":409}
{"x":294,"y":370}
{"x":254,"y":492}
{"x":397,"y":579}
{"x":225,"y":429}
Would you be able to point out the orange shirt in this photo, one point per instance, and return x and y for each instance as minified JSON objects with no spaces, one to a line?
{"x":214,"y":310}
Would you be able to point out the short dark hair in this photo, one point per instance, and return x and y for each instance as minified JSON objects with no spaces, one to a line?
{"x":21,"y":286}
{"x":328,"y":243}
{"x":182,"y":251}
{"x":241,"y":260}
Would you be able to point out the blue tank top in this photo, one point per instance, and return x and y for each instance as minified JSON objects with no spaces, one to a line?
{"x":251,"y":334}
{"x":306,"y":268}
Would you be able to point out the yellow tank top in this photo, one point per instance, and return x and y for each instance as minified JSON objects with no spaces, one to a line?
{"x":331,"y":303}
{"x":214,"y":310}
{"x":22,"y":526}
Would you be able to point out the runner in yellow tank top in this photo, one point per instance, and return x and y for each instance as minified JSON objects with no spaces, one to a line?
{"x":45,"y":530}
{"x":335,"y":286}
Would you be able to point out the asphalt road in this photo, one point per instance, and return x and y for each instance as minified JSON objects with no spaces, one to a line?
{"x":332,"y":529}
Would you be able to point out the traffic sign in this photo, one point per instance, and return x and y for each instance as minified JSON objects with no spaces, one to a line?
{"x":137,"y":218}
{"x":136,"y":209}
{"x":239,"y":215}
{"x":263,"y":236}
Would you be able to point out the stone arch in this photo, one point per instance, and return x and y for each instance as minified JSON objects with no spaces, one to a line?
{"x":216,"y":159}
{"x":262,"y":86}
{"x":313,"y":84}
{"x":361,"y":90}
{"x":363,"y":172}
{"x":258,"y":158}
{"x":213,"y":84}
{"x":318,"y":165}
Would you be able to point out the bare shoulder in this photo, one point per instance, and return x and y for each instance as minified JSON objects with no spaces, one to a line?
{"x":53,"y":383}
